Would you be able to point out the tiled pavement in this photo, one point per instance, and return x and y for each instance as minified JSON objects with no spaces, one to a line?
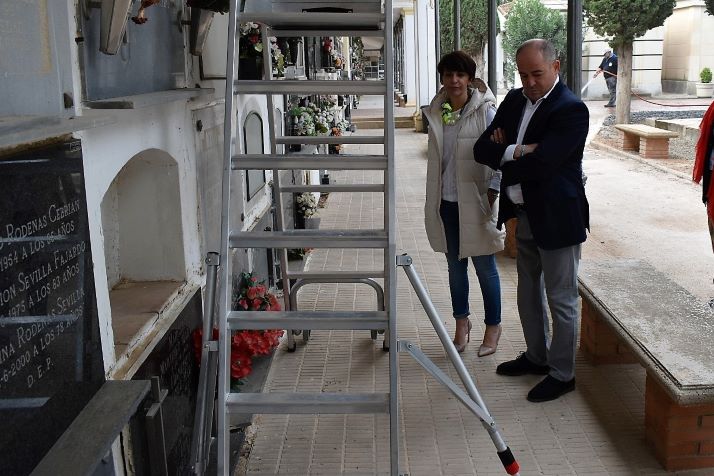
{"x":596,"y":430}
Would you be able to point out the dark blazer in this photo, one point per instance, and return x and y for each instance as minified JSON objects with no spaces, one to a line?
{"x":551,"y":176}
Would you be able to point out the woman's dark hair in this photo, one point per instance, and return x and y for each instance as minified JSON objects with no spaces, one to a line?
{"x":457,"y":61}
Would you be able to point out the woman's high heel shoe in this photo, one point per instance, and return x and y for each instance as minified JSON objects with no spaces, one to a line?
{"x":490,"y":340}
{"x":461,"y":347}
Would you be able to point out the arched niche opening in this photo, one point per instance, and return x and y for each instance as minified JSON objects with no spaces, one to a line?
{"x":143,"y":243}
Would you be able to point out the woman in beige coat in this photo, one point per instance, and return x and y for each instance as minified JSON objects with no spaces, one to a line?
{"x":460,"y":211}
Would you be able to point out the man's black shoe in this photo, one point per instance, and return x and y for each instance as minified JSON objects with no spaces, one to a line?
{"x":521,"y":366}
{"x":549,"y":389}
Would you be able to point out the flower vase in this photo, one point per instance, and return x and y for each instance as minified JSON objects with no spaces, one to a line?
{"x":312,"y":223}
{"x":300,"y":222}
{"x":250,"y":68}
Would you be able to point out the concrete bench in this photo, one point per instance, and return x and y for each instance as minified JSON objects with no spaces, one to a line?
{"x":650,"y":142}
{"x":633,"y":313}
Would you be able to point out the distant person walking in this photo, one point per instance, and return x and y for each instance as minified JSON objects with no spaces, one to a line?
{"x":609,"y":67}
{"x":703,"y":164}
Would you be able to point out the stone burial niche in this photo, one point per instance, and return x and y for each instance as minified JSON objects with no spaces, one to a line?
{"x":51,"y":360}
{"x":143,"y":245}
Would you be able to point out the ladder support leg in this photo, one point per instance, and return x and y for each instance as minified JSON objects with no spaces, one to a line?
{"x":503,"y":450}
{"x":438,"y":374}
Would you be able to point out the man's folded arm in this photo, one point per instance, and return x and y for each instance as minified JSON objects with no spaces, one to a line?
{"x":566,"y":133}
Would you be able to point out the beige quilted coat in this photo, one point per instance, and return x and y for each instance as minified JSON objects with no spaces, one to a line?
{"x":477,"y":220}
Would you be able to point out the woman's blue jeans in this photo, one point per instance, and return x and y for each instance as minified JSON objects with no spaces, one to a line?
{"x":486,"y":271}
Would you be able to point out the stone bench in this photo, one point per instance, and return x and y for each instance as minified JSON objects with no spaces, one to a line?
{"x":650,"y":142}
{"x":633,"y":313}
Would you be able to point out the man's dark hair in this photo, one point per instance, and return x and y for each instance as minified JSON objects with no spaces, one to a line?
{"x":544,"y":46}
{"x":457,"y":61}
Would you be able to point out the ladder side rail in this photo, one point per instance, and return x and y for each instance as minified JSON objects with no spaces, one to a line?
{"x":229,"y":125}
{"x":277,"y":195}
{"x":390,"y":252}
{"x":206,"y":380}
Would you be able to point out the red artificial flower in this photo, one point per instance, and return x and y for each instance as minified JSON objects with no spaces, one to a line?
{"x":197,"y":336}
{"x":260,"y":289}
{"x":243,"y":304}
{"x":252,"y":292}
{"x":241,"y":364}
{"x":254,"y":39}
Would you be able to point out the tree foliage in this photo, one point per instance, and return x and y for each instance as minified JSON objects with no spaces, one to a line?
{"x":709,"y":6}
{"x":474,"y":28}
{"x":625,"y":20}
{"x":531,"y":19}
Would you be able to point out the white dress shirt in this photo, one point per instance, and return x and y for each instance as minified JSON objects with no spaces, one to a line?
{"x":515,"y":192}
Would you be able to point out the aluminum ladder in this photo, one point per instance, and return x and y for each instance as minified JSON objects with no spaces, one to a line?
{"x":375,"y":19}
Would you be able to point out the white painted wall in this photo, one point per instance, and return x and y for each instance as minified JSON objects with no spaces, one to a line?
{"x":689,"y":36}
{"x":424,"y":39}
{"x":149,"y":219}
{"x":646,"y":63}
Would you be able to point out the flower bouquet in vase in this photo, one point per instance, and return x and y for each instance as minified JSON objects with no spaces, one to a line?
{"x":305,"y":211}
{"x":250,"y":52}
{"x":249,"y":294}
{"x":302,"y":121}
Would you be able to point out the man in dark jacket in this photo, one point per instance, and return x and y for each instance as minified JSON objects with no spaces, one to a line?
{"x":609,"y":67}
{"x":537,"y":139}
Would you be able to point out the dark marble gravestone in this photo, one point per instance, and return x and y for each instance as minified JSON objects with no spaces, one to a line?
{"x":173,"y":360}
{"x":50,"y":354}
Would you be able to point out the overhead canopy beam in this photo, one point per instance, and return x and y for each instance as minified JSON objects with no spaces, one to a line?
{"x":492,"y":27}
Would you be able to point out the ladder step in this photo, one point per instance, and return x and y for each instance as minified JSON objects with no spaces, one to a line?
{"x":337,"y":187}
{"x":327,"y":320}
{"x":291,"y":86}
{"x":334,"y":276}
{"x":292,"y":33}
{"x":315,"y":20}
{"x":308,"y":162}
{"x":311,"y":140}
{"x":309,"y":239}
{"x":307,"y":403}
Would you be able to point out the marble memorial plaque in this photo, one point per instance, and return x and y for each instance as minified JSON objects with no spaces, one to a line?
{"x":50,"y":356}
{"x":173,"y":360}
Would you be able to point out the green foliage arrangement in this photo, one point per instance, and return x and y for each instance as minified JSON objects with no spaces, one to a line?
{"x":531,"y":19}
{"x":706,"y":75}
{"x":625,"y":20}
{"x":474,"y":28}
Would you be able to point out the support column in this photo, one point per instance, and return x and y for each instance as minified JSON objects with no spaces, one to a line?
{"x":575,"y":46}
{"x":410,"y":55}
{"x":425,"y":34}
